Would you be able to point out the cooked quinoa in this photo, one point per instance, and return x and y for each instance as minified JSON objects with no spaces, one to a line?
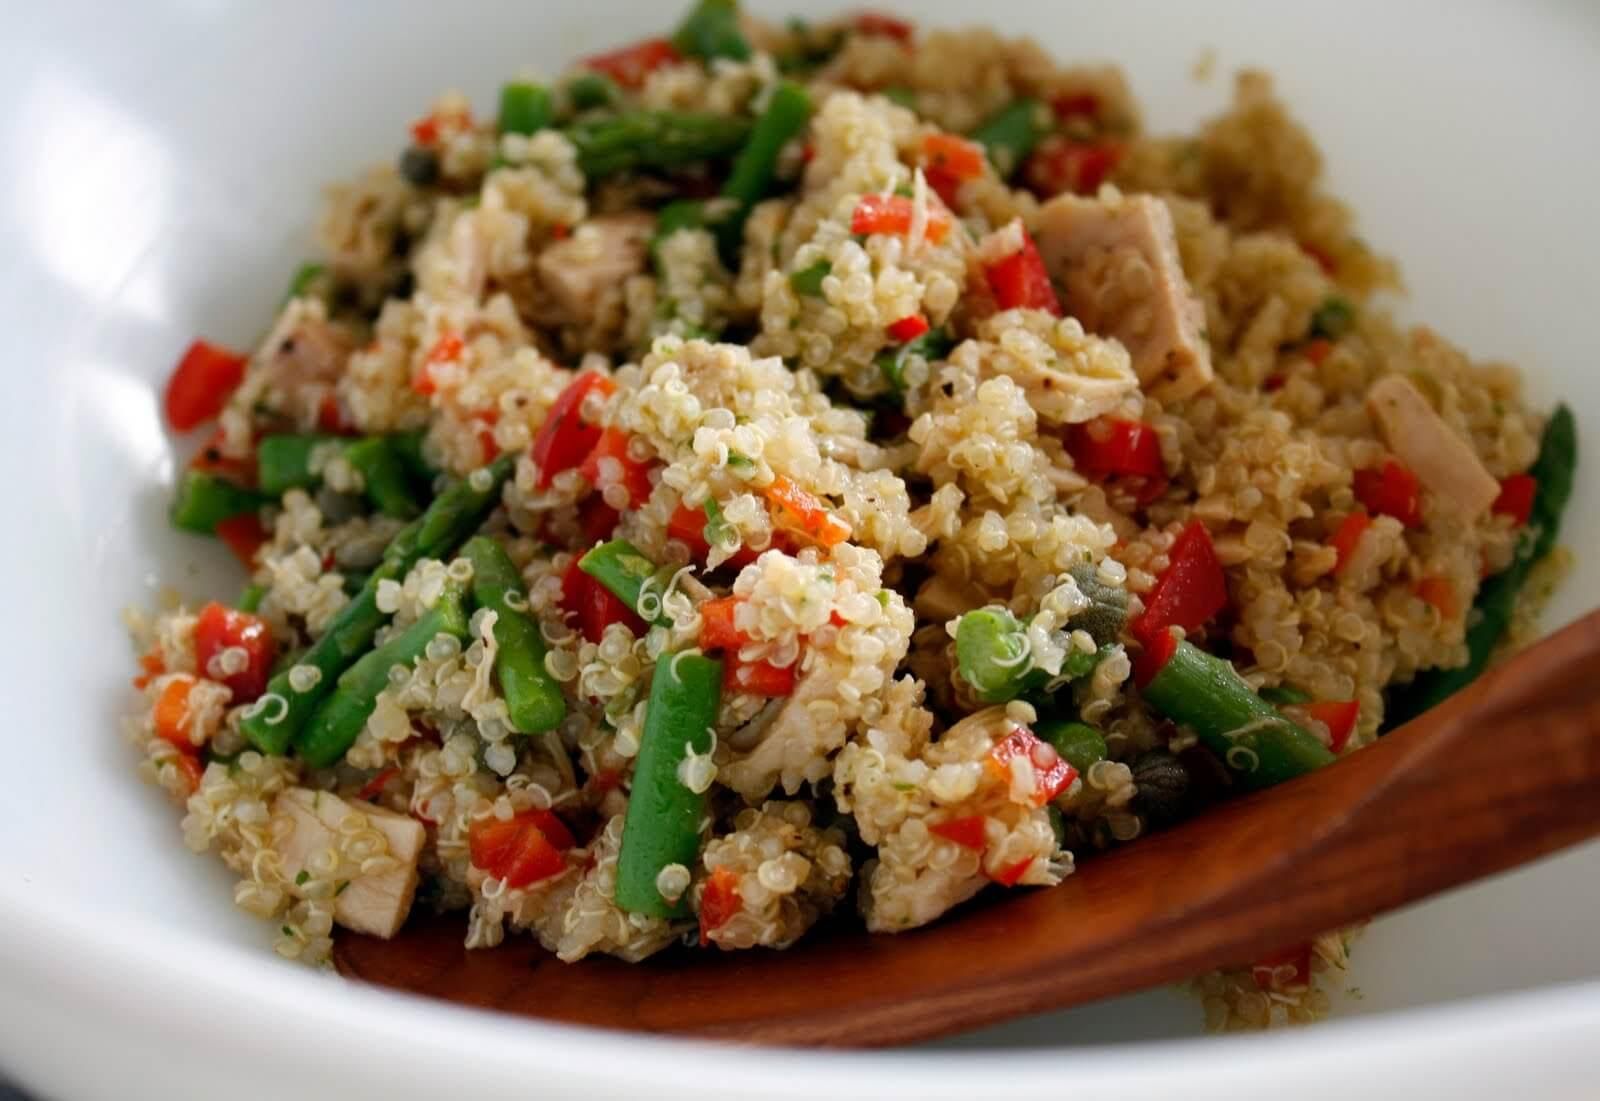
{"x":779,"y":470}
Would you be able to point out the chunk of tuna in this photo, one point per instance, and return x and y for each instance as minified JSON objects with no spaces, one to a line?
{"x":601,"y":253}
{"x":375,"y":904}
{"x":1442,"y":460}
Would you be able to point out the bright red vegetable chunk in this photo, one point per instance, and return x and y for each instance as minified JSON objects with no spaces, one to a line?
{"x":245,"y":536}
{"x":219,"y":628}
{"x":1020,"y":281}
{"x":1439,"y":592}
{"x":719,"y":902}
{"x":630,"y":65}
{"x":564,"y":440}
{"x":892,"y":214}
{"x":948,"y":162}
{"x":805,"y":513}
{"x":758,"y":678}
{"x":1012,"y":874}
{"x":717,"y":631}
{"x":200,"y":387}
{"x":1318,"y":350}
{"x":190,"y":768}
{"x":374,"y":787}
{"x":1052,"y":773}
{"x":907,"y":329}
{"x":520,"y":850}
{"x":212,"y":460}
{"x":1390,"y":490}
{"x":1348,"y":537}
{"x":966,"y":831}
{"x":1154,"y":657}
{"x":598,"y":520}
{"x":429,"y":129}
{"x":1339,"y":716}
{"x":595,"y":606}
{"x":874,"y":22}
{"x":1286,"y":969}
{"x":1069,"y":105}
{"x":447,"y":349}
{"x":1189,"y":592}
{"x":1516,"y":497}
{"x":1109,"y":446}
{"x":609,"y":464}
{"x":171,"y":712}
{"x":1060,"y":165}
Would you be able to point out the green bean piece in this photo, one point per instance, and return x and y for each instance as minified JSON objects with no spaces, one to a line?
{"x":637,"y":140}
{"x":786,"y":114}
{"x":408,"y":449}
{"x":808,"y":280}
{"x":624,"y":569}
{"x":355,"y":580}
{"x":1284,"y":695}
{"x":1081,"y":744}
{"x":1259,"y":746}
{"x":711,"y":30}
{"x":383,"y":477}
{"x":305,"y":275}
{"x":338,"y":721}
{"x":1333,"y":319}
{"x":452,"y":516}
{"x":524,"y":108}
{"x":533,"y":697}
{"x":1553,"y":472}
{"x":932,"y":345}
{"x":1108,"y":608}
{"x":902,"y":95}
{"x":992,"y":655}
{"x":283,"y":462}
{"x":204,"y":501}
{"x":251,"y":598}
{"x":1010,"y":135}
{"x":662,"y":823}
{"x":586,"y":91}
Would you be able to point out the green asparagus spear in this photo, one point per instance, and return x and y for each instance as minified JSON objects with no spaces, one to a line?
{"x":283,"y":462}
{"x":204,"y":501}
{"x":653,"y":139}
{"x":337,"y":722}
{"x":710,"y":30}
{"x":662,"y":826}
{"x":383,"y":476}
{"x":785,"y":116}
{"x":524,"y":108}
{"x":251,"y":598}
{"x":408,"y":449}
{"x":533,"y":697}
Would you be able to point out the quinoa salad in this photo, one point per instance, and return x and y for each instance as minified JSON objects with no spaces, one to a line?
{"x":783,"y":473}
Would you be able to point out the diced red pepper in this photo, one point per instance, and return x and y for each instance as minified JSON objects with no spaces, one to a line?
{"x":521,"y":850}
{"x":1069,"y":105}
{"x":966,"y":831}
{"x":1441,"y":594}
{"x":1020,"y":281}
{"x":806,"y":513}
{"x":201,"y":385}
{"x":1286,"y":969}
{"x":211,"y":459}
{"x":1348,"y":536}
{"x":1154,"y":657}
{"x":190,"y":768}
{"x":758,"y":678}
{"x":374,"y":787}
{"x":1317,"y":350}
{"x":1108,"y":446}
{"x":1390,"y":490}
{"x":605,"y":780}
{"x":630,"y":65}
{"x":1339,"y":716}
{"x":564,"y":440}
{"x":1190,"y":591}
{"x":330,"y":416}
{"x":948,"y":162}
{"x":1060,"y":165}
{"x":719,"y":902}
{"x":892,"y":214}
{"x":152,"y":667}
{"x":244,"y":536}
{"x":908,"y":329}
{"x":875,"y":22}
{"x":487,"y":444}
{"x":1052,"y":773}
{"x":609,"y":463}
{"x":717,"y":631}
{"x":597,"y":519}
{"x":219,"y":628}
{"x":596,"y":606}
{"x":1012,"y":874}
{"x":688,"y":526}
{"x":1324,"y":261}
{"x":1516,"y":497}
{"x":447,"y":349}
{"x":171,"y":713}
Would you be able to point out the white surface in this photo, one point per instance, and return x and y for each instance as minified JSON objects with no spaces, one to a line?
{"x":160,"y":171}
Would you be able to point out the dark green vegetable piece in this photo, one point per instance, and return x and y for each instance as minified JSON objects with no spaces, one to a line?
{"x":305,"y":275}
{"x":1010,"y":135}
{"x":905,"y":97}
{"x":624,"y":569}
{"x":1163,"y":787}
{"x":1108,"y":609}
{"x":808,"y":281}
{"x":662,"y":826}
{"x":337,"y":722}
{"x":587,"y":91}
{"x":533,"y":697}
{"x":637,"y":140}
{"x":383,"y":477}
{"x":451,"y":517}
{"x":408,"y":449}
{"x":1080,"y":743}
{"x":251,"y":598}
{"x":992,"y":655}
{"x":283,"y":462}
{"x":1333,"y":319}
{"x":1284,"y":695}
{"x":524,"y":108}
{"x":204,"y":501}
{"x":786,"y":114}
{"x":1259,"y":746}
{"x":710,"y":30}
{"x":420,"y":166}
{"x":1553,"y":472}
{"x":932,"y":345}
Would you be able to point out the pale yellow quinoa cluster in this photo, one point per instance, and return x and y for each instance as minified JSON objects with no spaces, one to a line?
{"x":466,"y":306}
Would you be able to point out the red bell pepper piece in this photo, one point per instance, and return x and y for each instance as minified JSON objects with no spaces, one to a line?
{"x":374,"y":787}
{"x":1189,"y":592}
{"x":597,"y":519}
{"x":717,"y":631}
{"x":609,"y":463}
{"x":244,"y":536}
{"x":1441,"y":594}
{"x":873,"y":22}
{"x":1348,"y":537}
{"x":520,"y":850}
{"x":1011,"y":874}
{"x":630,"y":65}
{"x":1317,"y":350}
{"x":1052,"y":773}
{"x":1069,"y":105}
{"x":948,"y":162}
{"x":1339,"y":716}
{"x":200,"y":386}
{"x":218,"y":628}
{"x":907,"y":329}
{"x":171,"y":714}
{"x":564,"y":440}
{"x":211,"y":460}
{"x":758,"y":678}
{"x":1154,"y":657}
{"x":892,"y":214}
{"x":806,"y":513}
{"x":966,"y":831}
{"x":719,"y":902}
{"x":1390,"y":490}
{"x":1020,"y":281}
{"x":596,"y":606}
{"x":1516,"y":497}
{"x":190,"y":768}
{"x":1324,"y":261}
{"x":1109,"y":446}
{"x":1060,"y":165}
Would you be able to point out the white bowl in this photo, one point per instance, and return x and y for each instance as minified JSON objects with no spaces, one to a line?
{"x":161,"y":163}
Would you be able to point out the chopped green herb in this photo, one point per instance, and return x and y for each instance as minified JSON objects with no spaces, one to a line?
{"x":304,"y":276}
{"x":285,"y":930}
{"x":808,"y":281}
{"x":736,"y":459}
{"x":1333,"y":319}
{"x":883,"y":597}
{"x":303,"y":878}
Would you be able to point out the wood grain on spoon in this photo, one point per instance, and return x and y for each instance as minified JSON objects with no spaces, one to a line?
{"x":1501,"y":774}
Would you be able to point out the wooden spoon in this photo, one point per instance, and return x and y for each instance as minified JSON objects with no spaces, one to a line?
{"x":1501,"y":774}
